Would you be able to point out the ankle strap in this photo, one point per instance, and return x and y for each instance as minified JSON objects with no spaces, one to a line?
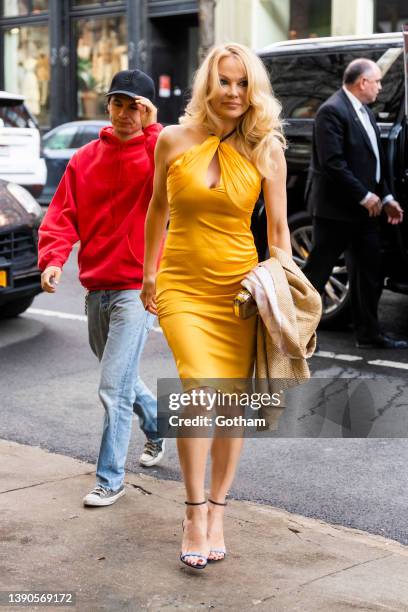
{"x":195,"y":503}
{"x":216,"y":503}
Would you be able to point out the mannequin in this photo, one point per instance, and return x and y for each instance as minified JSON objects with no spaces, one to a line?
{"x":30,"y":86}
{"x":42,"y":72}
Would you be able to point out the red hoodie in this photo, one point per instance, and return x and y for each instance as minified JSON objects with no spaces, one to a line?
{"x":102,"y":201}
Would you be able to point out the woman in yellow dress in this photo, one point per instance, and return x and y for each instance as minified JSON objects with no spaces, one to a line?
{"x":209,"y":172}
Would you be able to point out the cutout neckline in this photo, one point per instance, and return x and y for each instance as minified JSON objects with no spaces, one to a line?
{"x":200,"y":144}
{"x":218,"y":181}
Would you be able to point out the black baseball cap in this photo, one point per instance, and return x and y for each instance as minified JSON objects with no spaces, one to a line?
{"x":132,"y":83}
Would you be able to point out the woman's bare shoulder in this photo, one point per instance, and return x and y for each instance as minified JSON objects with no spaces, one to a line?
{"x":176,"y":139}
{"x":173,"y":133}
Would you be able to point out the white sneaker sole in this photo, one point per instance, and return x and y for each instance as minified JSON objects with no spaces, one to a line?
{"x":90,"y":500}
{"x":155,"y":461}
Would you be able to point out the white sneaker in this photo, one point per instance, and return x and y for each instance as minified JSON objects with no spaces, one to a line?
{"x":152,"y":453}
{"x":100,"y":496}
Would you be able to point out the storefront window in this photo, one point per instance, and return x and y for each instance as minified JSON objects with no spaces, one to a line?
{"x":390,"y":15}
{"x":27,"y":68}
{"x":13,"y":8}
{"x":39,"y":6}
{"x":309,"y":18}
{"x":101,"y":51}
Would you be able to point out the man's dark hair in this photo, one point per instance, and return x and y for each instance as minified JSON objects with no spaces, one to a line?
{"x":355,"y":69}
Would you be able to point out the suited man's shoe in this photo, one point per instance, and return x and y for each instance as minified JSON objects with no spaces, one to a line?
{"x":383,"y":341}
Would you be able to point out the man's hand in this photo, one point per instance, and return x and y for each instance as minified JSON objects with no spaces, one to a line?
{"x":148,"y":111}
{"x":394,"y":212}
{"x":373,"y":205}
{"x":50,"y":278}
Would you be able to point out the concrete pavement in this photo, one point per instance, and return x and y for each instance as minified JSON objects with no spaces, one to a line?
{"x":125,"y":557}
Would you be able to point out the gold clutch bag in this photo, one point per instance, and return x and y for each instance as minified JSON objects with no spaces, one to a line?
{"x":244,"y":305}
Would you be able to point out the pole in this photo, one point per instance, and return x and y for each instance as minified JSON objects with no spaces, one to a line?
{"x":206,"y":18}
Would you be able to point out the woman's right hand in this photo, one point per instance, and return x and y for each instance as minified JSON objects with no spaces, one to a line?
{"x":148,"y":295}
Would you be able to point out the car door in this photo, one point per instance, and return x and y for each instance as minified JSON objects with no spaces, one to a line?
{"x":58,"y":148}
{"x":397,"y":265}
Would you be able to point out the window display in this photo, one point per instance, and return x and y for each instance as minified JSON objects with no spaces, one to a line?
{"x":101,"y":51}
{"x":40,"y":6}
{"x":13,"y":8}
{"x":309,"y":18}
{"x":27,"y":67}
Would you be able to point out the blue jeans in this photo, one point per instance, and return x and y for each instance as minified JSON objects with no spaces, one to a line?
{"x":118,"y":326}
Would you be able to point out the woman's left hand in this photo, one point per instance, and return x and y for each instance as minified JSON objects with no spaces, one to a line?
{"x":148,"y":111}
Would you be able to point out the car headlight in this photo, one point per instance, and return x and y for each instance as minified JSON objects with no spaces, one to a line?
{"x":24,"y":198}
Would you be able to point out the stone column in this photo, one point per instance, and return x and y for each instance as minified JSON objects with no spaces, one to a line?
{"x":255,"y":23}
{"x":139,"y":44}
{"x":352,"y":17}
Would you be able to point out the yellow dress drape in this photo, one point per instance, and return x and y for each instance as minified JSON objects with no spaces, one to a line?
{"x":208,"y":251}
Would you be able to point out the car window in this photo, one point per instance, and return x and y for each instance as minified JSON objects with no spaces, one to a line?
{"x":61,"y":139}
{"x":15,"y":115}
{"x":303,"y":82}
{"x":86,"y":134}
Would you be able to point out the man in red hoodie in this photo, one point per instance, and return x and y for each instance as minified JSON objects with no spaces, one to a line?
{"x":101,"y":202}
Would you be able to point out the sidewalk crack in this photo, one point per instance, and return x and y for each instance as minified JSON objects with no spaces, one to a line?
{"x":303,"y":584}
{"x":345,"y":569}
{"x":39,"y":484}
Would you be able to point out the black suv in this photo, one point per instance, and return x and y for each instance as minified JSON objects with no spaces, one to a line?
{"x":20,"y":217}
{"x":304,"y":74}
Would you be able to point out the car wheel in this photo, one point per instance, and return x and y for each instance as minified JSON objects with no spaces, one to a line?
{"x":16,"y":307}
{"x":336,"y":296}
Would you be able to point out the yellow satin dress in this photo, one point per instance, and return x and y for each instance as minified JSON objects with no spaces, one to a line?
{"x":208,"y":250}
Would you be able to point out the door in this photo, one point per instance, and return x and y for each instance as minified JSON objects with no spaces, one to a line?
{"x":174,"y":60}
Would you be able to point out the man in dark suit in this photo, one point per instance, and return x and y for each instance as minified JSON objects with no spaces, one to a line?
{"x":348,"y":193}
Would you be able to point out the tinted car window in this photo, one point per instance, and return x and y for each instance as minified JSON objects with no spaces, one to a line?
{"x":62,"y":139}
{"x":15,"y":115}
{"x":85,"y":135}
{"x":302,"y":82}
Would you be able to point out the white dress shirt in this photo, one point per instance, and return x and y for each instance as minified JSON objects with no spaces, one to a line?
{"x":362,"y":114}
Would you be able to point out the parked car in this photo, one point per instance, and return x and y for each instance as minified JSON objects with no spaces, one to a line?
{"x":20,"y":217}
{"x":60,"y":144}
{"x":304,"y":73}
{"x":20,"y":148}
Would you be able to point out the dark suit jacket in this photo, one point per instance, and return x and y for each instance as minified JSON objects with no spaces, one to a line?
{"x":343,"y":162}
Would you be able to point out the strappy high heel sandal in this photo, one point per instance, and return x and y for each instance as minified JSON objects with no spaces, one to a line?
{"x":199,"y":555}
{"x":221,"y":551}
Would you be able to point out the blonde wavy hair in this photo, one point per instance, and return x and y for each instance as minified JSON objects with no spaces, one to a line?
{"x":260,"y":128}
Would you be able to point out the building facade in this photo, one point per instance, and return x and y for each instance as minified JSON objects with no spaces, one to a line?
{"x":258,"y":23}
{"x":61,"y":54}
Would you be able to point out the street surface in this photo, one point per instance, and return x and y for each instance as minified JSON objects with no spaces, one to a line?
{"x":49,"y":383}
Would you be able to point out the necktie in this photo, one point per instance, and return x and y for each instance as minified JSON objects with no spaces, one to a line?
{"x":365,"y":120}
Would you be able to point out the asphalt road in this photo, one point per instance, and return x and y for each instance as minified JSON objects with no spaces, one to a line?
{"x":49,"y":380}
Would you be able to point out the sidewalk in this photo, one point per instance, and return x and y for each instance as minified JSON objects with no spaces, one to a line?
{"x":125,"y":557}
